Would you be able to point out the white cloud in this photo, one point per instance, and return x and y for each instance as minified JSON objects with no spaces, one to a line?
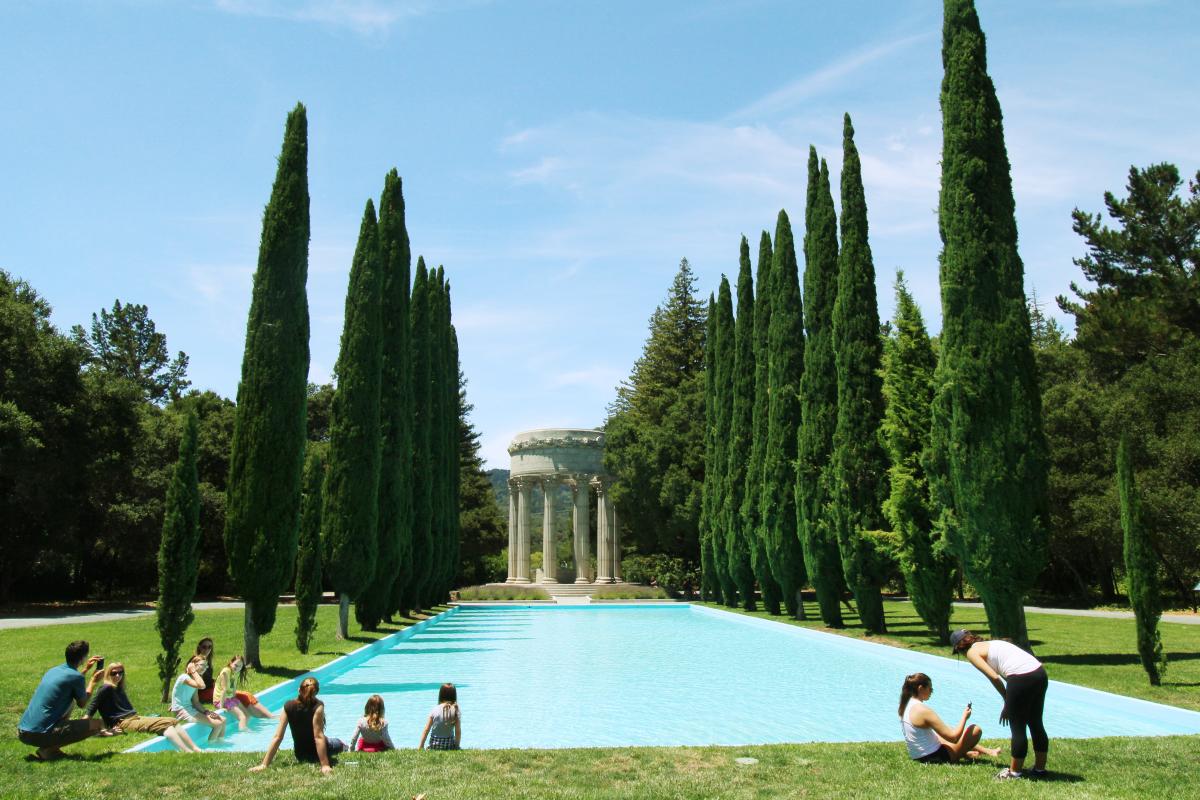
{"x":366,"y":17}
{"x":829,"y":77}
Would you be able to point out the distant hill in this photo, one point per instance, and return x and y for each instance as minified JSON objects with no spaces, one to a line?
{"x":562,"y":505}
{"x":499,"y":479}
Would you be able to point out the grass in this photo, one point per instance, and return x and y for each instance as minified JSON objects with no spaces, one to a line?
{"x":1090,"y":651}
{"x":1097,"y":768}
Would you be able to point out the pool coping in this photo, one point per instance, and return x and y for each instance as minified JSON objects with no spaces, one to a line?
{"x":153,"y":744}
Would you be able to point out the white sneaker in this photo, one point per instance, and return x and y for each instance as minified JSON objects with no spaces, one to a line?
{"x":1007,"y":774}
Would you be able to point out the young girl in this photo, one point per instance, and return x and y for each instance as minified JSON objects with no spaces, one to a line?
{"x":371,"y":735}
{"x":930,"y":740}
{"x":120,"y":717}
{"x":237,"y":702}
{"x":185,"y":704}
{"x":444,"y":726}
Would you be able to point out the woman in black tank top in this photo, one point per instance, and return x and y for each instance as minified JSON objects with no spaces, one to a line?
{"x":305,"y":716}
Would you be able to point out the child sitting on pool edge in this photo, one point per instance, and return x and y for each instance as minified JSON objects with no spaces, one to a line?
{"x":444,"y":726}
{"x":371,"y":735}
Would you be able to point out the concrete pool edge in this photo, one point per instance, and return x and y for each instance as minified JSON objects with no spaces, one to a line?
{"x":1148,"y":706}
{"x":321,"y":673}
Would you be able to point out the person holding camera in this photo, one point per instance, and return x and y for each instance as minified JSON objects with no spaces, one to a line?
{"x":112,"y":704}
{"x":46,"y":723}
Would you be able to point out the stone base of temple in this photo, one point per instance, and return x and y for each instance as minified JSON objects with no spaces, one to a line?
{"x":570,"y":589}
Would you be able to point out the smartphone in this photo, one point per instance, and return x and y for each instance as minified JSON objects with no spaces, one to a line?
{"x":968,"y":706}
{"x":100,"y":665}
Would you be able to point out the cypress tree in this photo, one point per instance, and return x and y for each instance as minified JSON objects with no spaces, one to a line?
{"x":751,"y":519}
{"x":818,"y":396}
{"x":351,"y":511}
{"x":178,"y":556}
{"x":262,"y":505}
{"x":859,"y":464}
{"x":988,"y":452}
{"x":394,"y":563}
{"x":308,"y":555}
{"x":463,"y":463}
{"x":422,"y":545}
{"x":925,"y":559}
{"x":441,"y":447}
{"x":724,"y":400}
{"x":710,"y":581}
{"x":1141,"y":568}
{"x":785,"y":365}
{"x":741,"y":431}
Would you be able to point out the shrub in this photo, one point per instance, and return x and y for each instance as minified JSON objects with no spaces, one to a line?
{"x":674,"y":575}
{"x":477,"y":593}
{"x":630,"y":593}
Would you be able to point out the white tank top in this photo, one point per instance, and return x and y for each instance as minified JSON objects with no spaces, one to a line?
{"x":921,"y":741}
{"x":1008,"y":659}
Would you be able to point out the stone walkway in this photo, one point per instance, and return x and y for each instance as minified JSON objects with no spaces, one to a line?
{"x":1185,"y":619}
{"x":87,"y":617}
{"x":84,"y":617}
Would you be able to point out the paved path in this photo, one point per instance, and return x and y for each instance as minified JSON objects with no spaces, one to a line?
{"x":1185,"y":619}
{"x":84,"y":617}
{"x":87,"y":617}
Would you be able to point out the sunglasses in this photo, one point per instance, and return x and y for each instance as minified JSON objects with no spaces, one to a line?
{"x":117,"y":672}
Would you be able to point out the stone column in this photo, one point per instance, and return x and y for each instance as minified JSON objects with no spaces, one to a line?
{"x":549,"y":554}
{"x":603,"y":542}
{"x":581,"y":492}
{"x":616,"y":540}
{"x":512,"y":532}
{"x":523,"y":486}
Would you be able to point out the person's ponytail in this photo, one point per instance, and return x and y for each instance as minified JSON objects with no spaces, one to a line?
{"x":909,"y":690}
{"x":308,"y":693}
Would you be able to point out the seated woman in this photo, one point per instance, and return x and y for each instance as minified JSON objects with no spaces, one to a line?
{"x":119,"y":715}
{"x":185,"y":702}
{"x":305,"y":716}
{"x":930,"y":740}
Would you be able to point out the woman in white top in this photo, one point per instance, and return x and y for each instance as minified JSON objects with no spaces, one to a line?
{"x":185,"y":704}
{"x":1021,"y":681}
{"x":930,"y":740}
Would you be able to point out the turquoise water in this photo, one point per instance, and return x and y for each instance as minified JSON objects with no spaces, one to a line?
{"x":611,"y":675}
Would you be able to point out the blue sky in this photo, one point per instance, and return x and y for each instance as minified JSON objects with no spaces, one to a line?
{"x":558,"y":158}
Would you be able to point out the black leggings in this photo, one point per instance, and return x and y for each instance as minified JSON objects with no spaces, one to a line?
{"x":1025,"y":696}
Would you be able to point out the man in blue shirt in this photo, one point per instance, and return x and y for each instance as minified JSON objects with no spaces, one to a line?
{"x":46,"y":723}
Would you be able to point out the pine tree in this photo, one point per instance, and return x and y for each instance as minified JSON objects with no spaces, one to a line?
{"x":741,"y":431}
{"x":710,"y":567}
{"x":723,"y":386}
{"x":394,"y":563}
{"x":178,"y":556}
{"x":988,"y":456}
{"x":655,"y":440}
{"x":350,"y":516}
{"x":925,"y":559}
{"x":785,"y":365}
{"x":818,"y":396}
{"x":422,"y":532}
{"x":859,"y":464}
{"x":308,"y":555}
{"x":751,"y":519}
{"x":1141,"y":569}
{"x":262,"y":506}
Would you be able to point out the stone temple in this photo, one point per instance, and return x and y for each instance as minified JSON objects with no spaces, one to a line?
{"x":546,"y":459}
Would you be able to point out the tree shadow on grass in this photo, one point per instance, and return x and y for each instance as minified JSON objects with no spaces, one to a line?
{"x":1109,"y":659}
{"x":1057,"y":777}
{"x":285,"y":672}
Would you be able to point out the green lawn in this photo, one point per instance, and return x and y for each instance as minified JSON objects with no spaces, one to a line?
{"x":1117,"y":767}
{"x":1091,"y":651}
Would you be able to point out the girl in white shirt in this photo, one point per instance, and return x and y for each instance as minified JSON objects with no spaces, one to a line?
{"x":1022,"y":682}
{"x":929,"y":739}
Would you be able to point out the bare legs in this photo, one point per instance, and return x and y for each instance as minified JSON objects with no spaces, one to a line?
{"x":179,"y":737}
